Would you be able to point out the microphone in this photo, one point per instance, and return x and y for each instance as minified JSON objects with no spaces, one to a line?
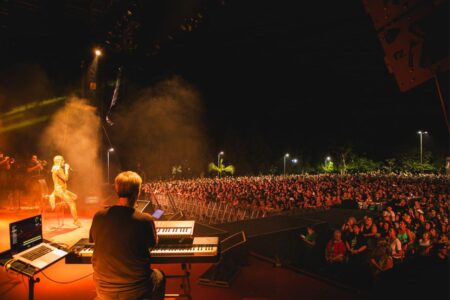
{"x":66,"y":166}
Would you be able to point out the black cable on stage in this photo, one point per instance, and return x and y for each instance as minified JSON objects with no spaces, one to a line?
{"x":66,"y":282}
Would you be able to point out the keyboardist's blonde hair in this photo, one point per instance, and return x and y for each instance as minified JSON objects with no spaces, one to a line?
{"x":128,"y":185}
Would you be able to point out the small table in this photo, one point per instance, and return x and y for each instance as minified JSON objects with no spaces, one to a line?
{"x":23,"y":269}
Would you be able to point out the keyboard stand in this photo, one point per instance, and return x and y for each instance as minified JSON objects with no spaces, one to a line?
{"x":31,"y":282}
{"x":24,"y":269}
{"x":185,"y":282}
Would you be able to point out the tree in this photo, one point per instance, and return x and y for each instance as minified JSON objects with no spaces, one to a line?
{"x":408,"y":162}
{"x":362,"y":164}
{"x":328,"y":166}
{"x":220,"y":168}
{"x":390,"y":164}
{"x":344,"y":153}
{"x":176,"y":170}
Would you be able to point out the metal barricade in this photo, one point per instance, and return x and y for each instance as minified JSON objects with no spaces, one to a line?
{"x":202,"y":211}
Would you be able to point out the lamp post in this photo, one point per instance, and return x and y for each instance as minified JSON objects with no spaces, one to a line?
{"x":221,"y":153}
{"x":107,"y":159}
{"x":421,"y":133}
{"x":98,"y":52}
{"x":284,"y":163}
{"x":327,"y":159}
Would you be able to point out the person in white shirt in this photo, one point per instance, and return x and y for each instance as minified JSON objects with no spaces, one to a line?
{"x":60,"y":176}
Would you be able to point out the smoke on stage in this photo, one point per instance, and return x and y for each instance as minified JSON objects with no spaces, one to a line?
{"x":74,"y":132}
{"x":163,"y":129}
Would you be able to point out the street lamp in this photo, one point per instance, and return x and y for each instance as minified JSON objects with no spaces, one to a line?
{"x":421,"y":133}
{"x":294,"y":161}
{"x":221,"y":153}
{"x":107,"y":159}
{"x":97,"y":52}
{"x":284,"y":163}
{"x":327,"y":159}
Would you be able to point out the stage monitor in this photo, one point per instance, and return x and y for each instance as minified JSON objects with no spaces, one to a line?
{"x":232,"y":241}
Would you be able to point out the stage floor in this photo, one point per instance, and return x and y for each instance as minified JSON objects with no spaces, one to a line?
{"x":257,"y":281}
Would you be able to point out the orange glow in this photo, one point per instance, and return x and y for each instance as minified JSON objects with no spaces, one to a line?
{"x":97,"y":52}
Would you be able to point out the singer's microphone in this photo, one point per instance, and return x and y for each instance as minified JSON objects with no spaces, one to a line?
{"x":67,"y":166}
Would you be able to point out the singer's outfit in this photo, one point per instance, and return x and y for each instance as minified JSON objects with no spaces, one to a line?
{"x":60,"y":178}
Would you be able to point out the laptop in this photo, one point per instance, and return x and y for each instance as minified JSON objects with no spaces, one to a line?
{"x":27,"y":243}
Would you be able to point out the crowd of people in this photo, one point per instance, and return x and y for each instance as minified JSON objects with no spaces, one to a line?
{"x":404,"y":231}
{"x":282,"y":193}
{"x":410,"y":218}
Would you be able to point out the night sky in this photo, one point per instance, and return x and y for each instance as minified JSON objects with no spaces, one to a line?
{"x":274,"y":77}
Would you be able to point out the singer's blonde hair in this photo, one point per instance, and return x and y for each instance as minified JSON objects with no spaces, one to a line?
{"x":58,"y":159}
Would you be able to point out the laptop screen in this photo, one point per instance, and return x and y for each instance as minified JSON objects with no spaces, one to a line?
{"x":25,"y":233}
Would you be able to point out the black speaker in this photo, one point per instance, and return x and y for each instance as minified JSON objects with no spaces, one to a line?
{"x":223,"y":273}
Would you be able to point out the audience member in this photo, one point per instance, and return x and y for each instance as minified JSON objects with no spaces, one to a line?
{"x":335,"y":250}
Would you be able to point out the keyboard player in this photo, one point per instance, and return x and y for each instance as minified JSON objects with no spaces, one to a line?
{"x":122,"y":237}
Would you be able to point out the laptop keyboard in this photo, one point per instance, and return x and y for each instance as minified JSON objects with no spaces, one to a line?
{"x":36,"y":253}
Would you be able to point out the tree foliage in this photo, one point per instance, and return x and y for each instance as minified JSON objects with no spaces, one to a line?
{"x":409,"y":162}
{"x":362,"y":165}
{"x":328,"y":166}
{"x":221,"y":168}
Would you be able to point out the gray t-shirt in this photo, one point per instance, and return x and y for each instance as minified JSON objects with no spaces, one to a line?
{"x":121,"y":258}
